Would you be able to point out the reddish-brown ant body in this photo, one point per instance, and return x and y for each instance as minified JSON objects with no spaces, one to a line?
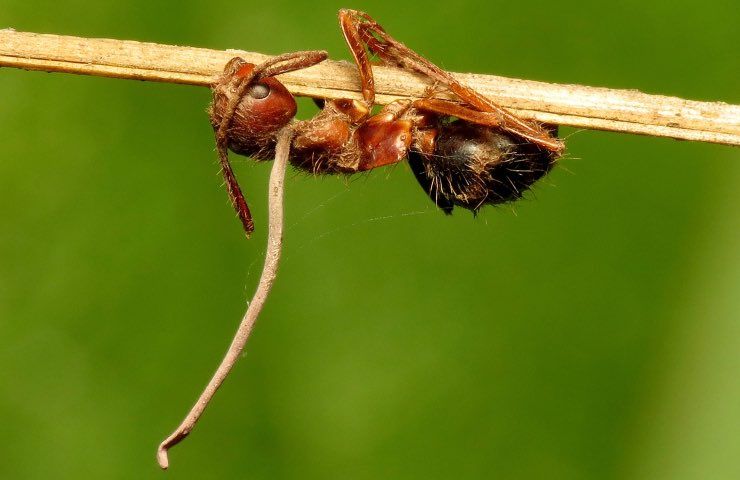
{"x":468,"y":154}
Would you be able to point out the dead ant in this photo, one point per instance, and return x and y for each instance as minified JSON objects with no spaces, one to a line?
{"x":468,"y":154}
{"x":484,"y":155}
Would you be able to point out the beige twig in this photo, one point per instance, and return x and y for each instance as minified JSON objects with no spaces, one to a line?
{"x":269,"y":272}
{"x":627,"y":111}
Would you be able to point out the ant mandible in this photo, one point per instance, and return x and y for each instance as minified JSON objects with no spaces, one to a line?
{"x":468,"y":153}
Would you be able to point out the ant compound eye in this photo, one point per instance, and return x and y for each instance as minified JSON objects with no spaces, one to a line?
{"x":259,"y":91}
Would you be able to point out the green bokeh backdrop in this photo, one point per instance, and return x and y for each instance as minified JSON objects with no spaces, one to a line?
{"x":590,"y":331}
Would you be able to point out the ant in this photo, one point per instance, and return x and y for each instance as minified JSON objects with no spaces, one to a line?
{"x":468,"y":153}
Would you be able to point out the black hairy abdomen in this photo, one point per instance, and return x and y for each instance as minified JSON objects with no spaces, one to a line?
{"x":474,"y":165}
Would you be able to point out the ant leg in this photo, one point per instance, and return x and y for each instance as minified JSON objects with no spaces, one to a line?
{"x":452,"y":109}
{"x":394,"y":53}
{"x":357,"y":47}
{"x":487,"y":119}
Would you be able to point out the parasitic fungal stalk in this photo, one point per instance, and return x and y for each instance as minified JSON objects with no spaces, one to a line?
{"x":267,"y":278}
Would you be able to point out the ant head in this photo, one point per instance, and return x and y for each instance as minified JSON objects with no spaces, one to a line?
{"x":252,"y":104}
{"x":264,"y":107}
{"x":249,"y":108}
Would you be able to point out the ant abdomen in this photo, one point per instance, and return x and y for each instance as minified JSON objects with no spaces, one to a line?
{"x":474,"y":165}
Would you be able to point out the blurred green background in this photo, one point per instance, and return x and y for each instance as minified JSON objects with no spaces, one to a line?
{"x":590,"y":331}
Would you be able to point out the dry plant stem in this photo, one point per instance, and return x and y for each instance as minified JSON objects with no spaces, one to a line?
{"x":626,"y":111}
{"x":269,"y":271}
